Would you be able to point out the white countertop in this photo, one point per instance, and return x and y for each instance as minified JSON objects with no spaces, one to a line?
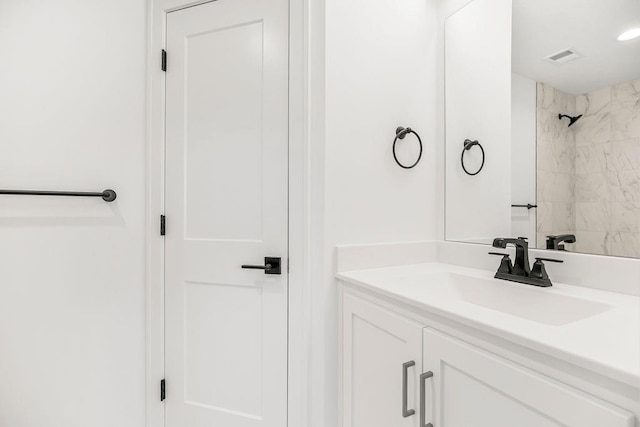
{"x":607,"y":342}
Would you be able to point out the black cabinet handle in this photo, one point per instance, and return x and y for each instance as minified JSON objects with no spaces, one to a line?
{"x":272,"y":265}
{"x":423,"y":403}
{"x":406,"y":412}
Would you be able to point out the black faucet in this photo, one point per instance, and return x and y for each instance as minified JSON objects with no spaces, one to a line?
{"x":520,"y":271}
{"x":521,"y":266}
{"x":554,"y":242}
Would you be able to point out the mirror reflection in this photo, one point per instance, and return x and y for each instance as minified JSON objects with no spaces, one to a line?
{"x":564,"y":170}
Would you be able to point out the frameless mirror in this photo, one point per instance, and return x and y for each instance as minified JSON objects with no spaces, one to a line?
{"x":543,"y":124}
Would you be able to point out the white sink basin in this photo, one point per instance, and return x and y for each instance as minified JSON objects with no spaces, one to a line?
{"x":535,"y":304}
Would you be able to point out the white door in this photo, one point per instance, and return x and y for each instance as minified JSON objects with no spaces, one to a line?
{"x":226,"y":205}
{"x":472,"y":387}
{"x":382,"y":360}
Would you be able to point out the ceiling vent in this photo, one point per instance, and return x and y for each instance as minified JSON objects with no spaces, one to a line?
{"x":563,"y":56}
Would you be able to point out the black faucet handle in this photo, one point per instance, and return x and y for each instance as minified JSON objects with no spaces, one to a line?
{"x":549,"y":259}
{"x":498,"y":253}
{"x":505,"y":264}
{"x":539,"y":272}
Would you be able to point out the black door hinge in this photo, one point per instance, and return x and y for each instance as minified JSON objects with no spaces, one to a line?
{"x":163,"y":226}
{"x":164,"y":60}
{"x":163,"y":393}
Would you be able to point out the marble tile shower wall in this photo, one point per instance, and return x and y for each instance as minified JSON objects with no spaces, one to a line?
{"x":606,"y":168}
{"x":556,"y":175}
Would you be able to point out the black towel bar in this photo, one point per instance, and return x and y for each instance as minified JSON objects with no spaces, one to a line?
{"x":528,"y":206}
{"x":107,"y":195}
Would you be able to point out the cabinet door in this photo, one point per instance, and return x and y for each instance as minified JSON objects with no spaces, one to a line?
{"x":472,"y":387}
{"x":381,"y":362}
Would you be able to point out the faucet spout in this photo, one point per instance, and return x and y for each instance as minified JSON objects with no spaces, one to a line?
{"x":554,"y":242}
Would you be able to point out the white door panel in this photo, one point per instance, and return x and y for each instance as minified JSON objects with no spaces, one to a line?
{"x":226,"y":205}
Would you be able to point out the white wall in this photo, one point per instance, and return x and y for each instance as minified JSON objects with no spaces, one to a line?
{"x":72,"y":117}
{"x":523,"y":156}
{"x":477,"y":42}
{"x":380,"y":73}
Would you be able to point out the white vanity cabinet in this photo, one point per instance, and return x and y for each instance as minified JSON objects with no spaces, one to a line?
{"x":469,"y":386}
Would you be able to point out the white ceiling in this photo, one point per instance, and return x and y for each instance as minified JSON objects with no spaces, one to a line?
{"x":590,"y":27}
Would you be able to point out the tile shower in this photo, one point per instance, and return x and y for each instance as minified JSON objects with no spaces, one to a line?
{"x":588,"y":175}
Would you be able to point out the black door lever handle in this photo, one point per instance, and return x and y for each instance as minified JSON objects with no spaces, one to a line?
{"x":256,"y":267}
{"x":271,"y":265}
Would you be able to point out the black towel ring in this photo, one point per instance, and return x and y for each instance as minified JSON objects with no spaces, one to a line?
{"x":400,"y":134}
{"x":467,"y":146}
